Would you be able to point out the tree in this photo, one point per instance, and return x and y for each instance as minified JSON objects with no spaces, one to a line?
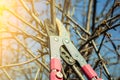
{"x":93,"y":26}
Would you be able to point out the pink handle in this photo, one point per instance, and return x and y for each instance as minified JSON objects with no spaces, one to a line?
{"x":89,"y":72}
{"x":55,"y":67}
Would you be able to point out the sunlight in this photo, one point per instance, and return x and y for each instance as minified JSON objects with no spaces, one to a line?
{"x":2,"y":2}
{"x":1,"y":10}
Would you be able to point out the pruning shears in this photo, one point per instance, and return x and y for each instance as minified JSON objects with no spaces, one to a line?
{"x":56,"y":41}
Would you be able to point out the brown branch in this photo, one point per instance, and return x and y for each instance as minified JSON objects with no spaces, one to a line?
{"x":117,"y":4}
{"x":113,"y":44}
{"x":89,"y":15}
{"x":65,"y":9}
{"x":101,"y":43}
{"x":113,"y":18}
{"x":88,"y":24}
{"x":94,"y":14}
{"x":22,"y":63}
{"x":95,"y":36}
{"x":53,"y":13}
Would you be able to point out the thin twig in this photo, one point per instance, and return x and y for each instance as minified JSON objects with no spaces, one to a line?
{"x":89,"y":15}
{"x":88,"y":23}
{"x":37,"y":74}
{"x":22,"y":63}
{"x":101,"y":43}
{"x":94,"y":14}
{"x":6,"y":73}
{"x":113,"y":44}
{"x":53,"y":13}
